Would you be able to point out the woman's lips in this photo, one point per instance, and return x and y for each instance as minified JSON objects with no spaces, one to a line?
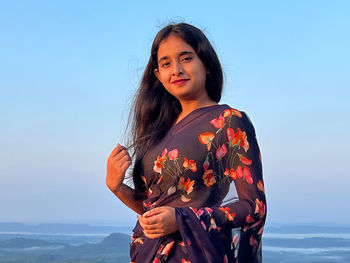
{"x":180,"y":81}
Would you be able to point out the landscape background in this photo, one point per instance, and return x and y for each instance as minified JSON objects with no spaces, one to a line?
{"x":68,"y":72}
{"x":62,"y":243}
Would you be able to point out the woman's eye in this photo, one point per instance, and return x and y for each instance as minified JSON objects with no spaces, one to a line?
{"x":165,"y":64}
{"x":187,"y":59}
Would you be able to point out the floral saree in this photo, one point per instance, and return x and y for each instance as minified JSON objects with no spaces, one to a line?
{"x":208,"y":167}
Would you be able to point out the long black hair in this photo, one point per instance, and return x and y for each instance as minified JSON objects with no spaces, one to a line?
{"x":155,"y":110}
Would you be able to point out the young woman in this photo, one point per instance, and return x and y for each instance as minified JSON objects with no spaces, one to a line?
{"x":198,"y":186}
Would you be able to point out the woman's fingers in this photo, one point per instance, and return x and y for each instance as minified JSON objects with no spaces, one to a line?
{"x":159,"y":221}
{"x":156,"y":211}
{"x":148,"y":221}
{"x":117,"y":164}
{"x":121,"y":158}
{"x":126,"y":165}
{"x":121,"y":154}
{"x":152,"y":228}
{"x":116,"y":150}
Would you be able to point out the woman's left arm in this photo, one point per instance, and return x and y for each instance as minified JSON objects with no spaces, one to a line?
{"x":239,"y":155}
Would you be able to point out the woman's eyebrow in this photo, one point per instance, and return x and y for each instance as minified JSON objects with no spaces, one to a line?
{"x":181,"y":54}
{"x":163,"y":58}
{"x":185,"y":53}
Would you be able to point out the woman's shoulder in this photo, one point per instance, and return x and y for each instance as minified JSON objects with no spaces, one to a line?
{"x":226,"y":115}
{"x":227,"y":111}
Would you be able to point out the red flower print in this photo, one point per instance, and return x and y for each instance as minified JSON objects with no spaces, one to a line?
{"x":245,"y":228}
{"x":237,"y":138}
{"x":231,"y":173}
{"x":138,"y":240}
{"x":230,"y":216}
{"x":209,"y":210}
{"x":185,"y":199}
{"x":252,"y":241}
{"x":206,"y":138}
{"x":228,"y":113}
{"x":148,"y":204}
{"x":173,"y":154}
{"x":159,"y":164}
{"x":195,"y":211}
{"x":167,"y":248}
{"x":186,"y":185}
{"x":249,"y":180}
{"x":231,"y":136}
{"x":249,"y":219}
{"x":247,"y":175}
{"x":208,"y":177}
{"x":244,"y":159}
{"x":225,"y":259}
{"x":160,"y":179}
{"x":164,"y":152}
{"x":260,"y":186}
{"x":190,"y":164}
{"x":256,"y":223}
{"x":227,"y":172}
{"x":219,"y":122}
{"x":236,"y":113}
{"x":206,"y":164}
{"x":244,"y":142}
{"x":182,"y":243}
{"x":239,"y":172}
{"x":186,"y":163}
{"x":185,"y":261}
{"x":259,"y":208}
{"x":200,"y":212}
{"x":156,"y":260}
{"x":221,"y":151}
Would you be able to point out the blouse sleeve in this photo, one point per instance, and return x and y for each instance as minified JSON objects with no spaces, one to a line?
{"x":236,"y":153}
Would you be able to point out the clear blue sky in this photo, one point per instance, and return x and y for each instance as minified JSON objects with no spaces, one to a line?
{"x":68,"y":71}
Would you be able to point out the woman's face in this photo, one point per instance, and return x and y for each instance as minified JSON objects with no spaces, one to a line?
{"x":180,"y":70}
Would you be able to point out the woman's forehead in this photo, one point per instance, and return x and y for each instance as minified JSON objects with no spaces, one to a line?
{"x":173,"y":45}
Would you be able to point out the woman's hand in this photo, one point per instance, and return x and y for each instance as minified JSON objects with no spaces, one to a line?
{"x":117,"y":164}
{"x":158,"y":222}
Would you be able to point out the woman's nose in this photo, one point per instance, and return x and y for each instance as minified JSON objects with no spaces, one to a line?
{"x":177,"y":69}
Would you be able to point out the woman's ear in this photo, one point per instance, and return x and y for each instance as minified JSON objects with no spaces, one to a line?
{"x":156,"y":72}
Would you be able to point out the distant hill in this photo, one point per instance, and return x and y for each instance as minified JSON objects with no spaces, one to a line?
{"x":18,"y":243}
{"x":63,"y":228}
{"x":304,"y":229}
{"x":113,"y":248}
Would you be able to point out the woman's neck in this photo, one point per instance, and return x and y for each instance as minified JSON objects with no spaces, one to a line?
{"x":189,"y":106}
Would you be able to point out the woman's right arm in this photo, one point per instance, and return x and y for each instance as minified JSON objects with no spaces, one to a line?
{"x":117,"y":164}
